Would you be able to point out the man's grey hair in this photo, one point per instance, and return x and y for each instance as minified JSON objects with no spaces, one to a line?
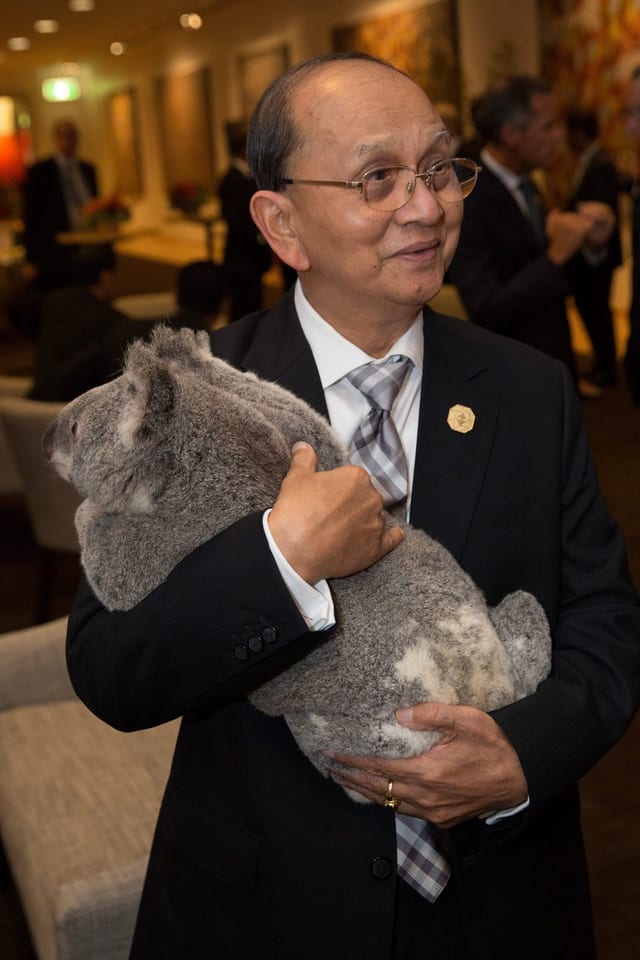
{"x":510,"y":102}
{"x":273,"y":131}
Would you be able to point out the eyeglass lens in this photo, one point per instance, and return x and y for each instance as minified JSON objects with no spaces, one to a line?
{"x":390,"y":189}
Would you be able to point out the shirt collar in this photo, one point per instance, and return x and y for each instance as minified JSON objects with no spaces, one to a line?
{"x":510,"y":179}
{"x":335,"y":356}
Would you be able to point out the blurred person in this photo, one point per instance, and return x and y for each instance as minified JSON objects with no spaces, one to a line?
{"x":56,"y":191}
{"x":510,"y":267}
{"x":632,"y":351}
{"x":247,"y":256}
{"x":199,"y":294}
{"x":81,"y":336}
{"x":256,"y":854}
{"x":591,"y":273}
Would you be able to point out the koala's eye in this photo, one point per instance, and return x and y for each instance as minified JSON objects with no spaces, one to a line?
{"x":74,"y":428}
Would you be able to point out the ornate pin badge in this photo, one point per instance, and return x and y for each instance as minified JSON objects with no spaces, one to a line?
{"x":461,"y":419}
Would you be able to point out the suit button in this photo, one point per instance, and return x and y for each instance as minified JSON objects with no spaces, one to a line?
{"x":255,"y":644}
{"x":380,"y":868}
{"x":241,"y":652}
{"x":269,"y":634}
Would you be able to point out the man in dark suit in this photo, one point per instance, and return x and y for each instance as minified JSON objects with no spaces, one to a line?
{"x":511,"y":264}
{"x":256,"y":854}
{"x":56,"y":190}
{"x":590,"y":275}
{"x":246,"y":255}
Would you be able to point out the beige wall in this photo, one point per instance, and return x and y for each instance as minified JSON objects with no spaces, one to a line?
{"x":485,"y":27}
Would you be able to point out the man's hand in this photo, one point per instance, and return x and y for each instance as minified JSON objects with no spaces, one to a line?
{"x":472,"y":771}
{"x":602,"y":219}
{"x":566,"y":232}
{"x":329,"y":523}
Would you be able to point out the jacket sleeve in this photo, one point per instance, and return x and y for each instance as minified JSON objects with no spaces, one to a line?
{"x":222,"y":623}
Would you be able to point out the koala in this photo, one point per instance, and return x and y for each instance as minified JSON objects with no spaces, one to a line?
{"x":180,"y":446}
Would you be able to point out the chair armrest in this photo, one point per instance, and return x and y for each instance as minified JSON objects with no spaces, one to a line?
{"x":33,"y":667}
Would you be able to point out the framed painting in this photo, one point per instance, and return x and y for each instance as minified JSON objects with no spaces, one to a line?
{"x":256,"y":71}
{"x":422,"y":41}
{"x":186,"y":129}
{"x":123,"y":136}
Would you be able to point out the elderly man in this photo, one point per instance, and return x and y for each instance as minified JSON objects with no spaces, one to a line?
{"x":514,"y":263}
{"x":474,"y":849}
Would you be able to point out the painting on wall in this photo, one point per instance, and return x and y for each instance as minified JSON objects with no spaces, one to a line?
{"x":256,"y":71}
{"x":422,"y":41}
{"x":123,"y":137}
{"x":589,"y":48}
{"x":185,"y":122}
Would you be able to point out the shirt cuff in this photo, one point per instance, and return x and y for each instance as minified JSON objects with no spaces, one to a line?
{"x":314,"y":603}
{"x":502,"y":814}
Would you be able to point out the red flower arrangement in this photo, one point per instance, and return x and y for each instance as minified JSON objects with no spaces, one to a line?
{"x":187,"y":196}
{"x":105,"y":211}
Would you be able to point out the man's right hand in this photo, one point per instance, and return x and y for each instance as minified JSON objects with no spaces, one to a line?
{"x":329,"y":523}
{"x":566,"y":232}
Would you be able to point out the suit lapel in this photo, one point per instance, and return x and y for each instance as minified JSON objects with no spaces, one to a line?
{"x":280,"y":352}
{"x":450,"y":465}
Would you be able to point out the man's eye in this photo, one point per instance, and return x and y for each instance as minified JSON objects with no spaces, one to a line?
{"x":379,"y":176}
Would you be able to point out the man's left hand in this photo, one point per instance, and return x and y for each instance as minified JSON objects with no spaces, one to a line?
{"x":472,"y":771}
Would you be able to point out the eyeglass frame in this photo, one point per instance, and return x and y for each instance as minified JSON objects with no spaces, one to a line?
{"x":426,"y":177}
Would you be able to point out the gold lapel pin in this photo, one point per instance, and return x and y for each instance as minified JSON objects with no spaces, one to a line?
{"x":461,"y":419}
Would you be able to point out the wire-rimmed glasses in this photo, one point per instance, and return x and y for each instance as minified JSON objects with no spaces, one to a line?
{"x":387,"y":189}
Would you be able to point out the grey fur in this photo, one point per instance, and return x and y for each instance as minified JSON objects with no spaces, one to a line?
{"x":179,"y":447}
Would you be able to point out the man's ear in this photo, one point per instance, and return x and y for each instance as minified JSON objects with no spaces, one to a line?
{"x":510,"y":135}
{"x":273,"y":214}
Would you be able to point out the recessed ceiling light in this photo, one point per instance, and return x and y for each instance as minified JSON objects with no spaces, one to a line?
{"x":81,"y":6}
{"x":117,"y":48}
{"x":191,"y":21}
{"x":18,"y":43}
{"x":46,"y":26}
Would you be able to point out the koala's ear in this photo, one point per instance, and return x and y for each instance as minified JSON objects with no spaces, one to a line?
{"x":150,"y":399}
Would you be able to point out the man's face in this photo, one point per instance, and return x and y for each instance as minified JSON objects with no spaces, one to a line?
{"x":537,"y":143}
{"x":355,"y":117}
{"x":633,"y":109}
{"x":66,"y":139}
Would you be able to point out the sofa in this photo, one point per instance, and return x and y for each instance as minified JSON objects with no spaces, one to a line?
{"x":78,"y":803}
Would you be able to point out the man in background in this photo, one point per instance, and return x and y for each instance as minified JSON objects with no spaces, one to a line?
{"x":247,"y":256}
{"x":510,"y":266}
{"x":596,"y":178}
{"x":81,"y":336}
{"x":56,"y":190}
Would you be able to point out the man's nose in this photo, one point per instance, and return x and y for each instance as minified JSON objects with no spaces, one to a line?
{"x":423,"y":204}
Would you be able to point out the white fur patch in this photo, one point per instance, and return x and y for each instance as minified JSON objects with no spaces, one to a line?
{"x":141,"y":501}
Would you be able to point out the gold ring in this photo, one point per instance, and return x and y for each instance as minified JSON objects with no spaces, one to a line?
{"x":389,"y":799}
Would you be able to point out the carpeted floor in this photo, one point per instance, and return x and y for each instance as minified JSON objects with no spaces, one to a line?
{"x":610,"y":793}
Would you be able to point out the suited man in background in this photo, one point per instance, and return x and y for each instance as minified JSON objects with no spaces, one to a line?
{"x":511,"y":264}
{"x":256,"y":854}
{"x":56,"y":190}
{"x":247,"y":255}
{"x":591,"y":273}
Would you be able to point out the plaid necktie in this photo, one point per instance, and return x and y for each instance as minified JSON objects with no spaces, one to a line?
{"x":419,"y":862}
{"x":376,"y":445}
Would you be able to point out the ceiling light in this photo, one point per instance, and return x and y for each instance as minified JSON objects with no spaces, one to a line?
{"x":191,"y":21}
{"x":18,"y":43}
{"x":61,"y":89}
{"x":117,"y":48}
{"x":46,"y":26}
{"x":81,"y":6}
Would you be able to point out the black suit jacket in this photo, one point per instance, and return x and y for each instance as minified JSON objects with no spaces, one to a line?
{"x":256,"y":854}
{"x":45,"y":215}
{"x":246,"y":252}
{"x":505,"y":280}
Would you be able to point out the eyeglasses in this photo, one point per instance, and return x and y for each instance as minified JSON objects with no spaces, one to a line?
{"x":387,"y":189}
